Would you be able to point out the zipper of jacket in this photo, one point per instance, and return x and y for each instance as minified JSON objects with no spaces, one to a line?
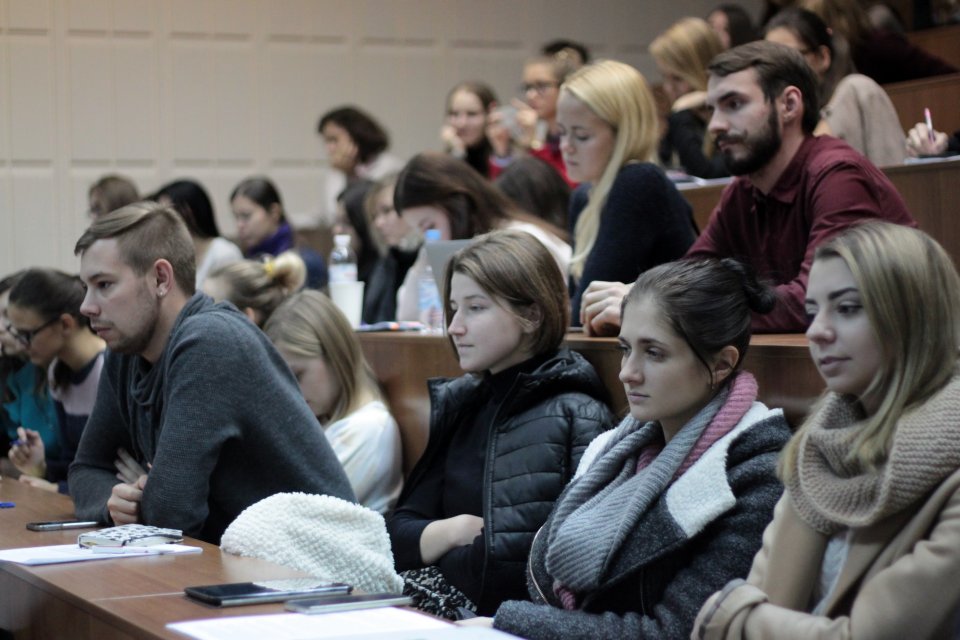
{"x":530,"y":573}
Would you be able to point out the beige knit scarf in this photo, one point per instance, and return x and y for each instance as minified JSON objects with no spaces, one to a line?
{"x":831,"y":493}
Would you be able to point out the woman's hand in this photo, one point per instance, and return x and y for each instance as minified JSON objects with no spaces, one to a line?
{"x":600,"y":307}
{"x":128,"y":469}
{"x":440,"y":536}
{"x":28,"y":454}
{"x":527,"y":119}
{"x":920,"y":144}
{"x":40,"y":483}
{"x":452,"y":143}
{"x":498,"y":134}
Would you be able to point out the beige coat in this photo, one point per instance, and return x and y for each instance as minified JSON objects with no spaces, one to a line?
{"x":901,"y":579}
{"x":861,"y":113}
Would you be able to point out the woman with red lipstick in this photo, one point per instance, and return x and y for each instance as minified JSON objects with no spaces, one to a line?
{"x":44,"y":313}
{"x":504,"y":439}
{"x":673,"y":502}
{"x":866,"y":540}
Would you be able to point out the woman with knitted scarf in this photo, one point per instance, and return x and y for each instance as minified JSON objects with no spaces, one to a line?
{"x":866,"y":540}
{"x":672,"y":503}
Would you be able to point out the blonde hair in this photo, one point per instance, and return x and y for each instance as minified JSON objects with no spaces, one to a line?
{"x":310,"y":325}
{"x":619,"y":95}
{"x":686,"y":48}
{"x":262,"y":285}
{"x":910,"y":291}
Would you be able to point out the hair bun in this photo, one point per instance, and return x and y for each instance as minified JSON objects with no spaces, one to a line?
{"x":761,"y":298}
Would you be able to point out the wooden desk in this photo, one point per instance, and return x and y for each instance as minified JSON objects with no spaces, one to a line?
{"x":107,"y":599}
{"x":403,"y":363}
{"x":943,"y":42}
{"x":940,"y":93}
{"x":931,"y":191}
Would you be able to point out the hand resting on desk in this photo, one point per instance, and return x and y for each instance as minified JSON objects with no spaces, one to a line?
{"x":600,"y":307}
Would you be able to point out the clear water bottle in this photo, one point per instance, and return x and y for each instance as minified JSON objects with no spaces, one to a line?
{"x":343,"y":261}
{"x":429,"y":305}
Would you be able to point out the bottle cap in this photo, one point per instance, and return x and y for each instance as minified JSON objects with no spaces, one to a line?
{"x":341,"y":239}
{"x":431,"y":235}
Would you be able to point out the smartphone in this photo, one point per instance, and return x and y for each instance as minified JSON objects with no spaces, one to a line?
{"x":59,"y":525}
{"x":237,"y":593}
{"x":347,"y":603}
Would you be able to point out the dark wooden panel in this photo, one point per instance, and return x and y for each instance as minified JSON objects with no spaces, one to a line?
{"x":940,"y":93}
{"x":943,"y":42}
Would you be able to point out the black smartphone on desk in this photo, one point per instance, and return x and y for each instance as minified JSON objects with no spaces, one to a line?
{"x":347,"y":603}
{"x":237,"y":593}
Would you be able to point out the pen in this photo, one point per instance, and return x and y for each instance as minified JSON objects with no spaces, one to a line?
{"x":123,"y":551}
{"x":7,"y":505}
{"x":929,"y":121}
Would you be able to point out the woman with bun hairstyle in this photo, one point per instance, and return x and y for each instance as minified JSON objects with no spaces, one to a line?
{"x":322,"y":351}
{"x":504,"y":439}
{"x":673,"y":502}
{"x":628,"y":216}
{"x":44,"y":312}
{"x":258,"y":287}
{"x":865,"y":542}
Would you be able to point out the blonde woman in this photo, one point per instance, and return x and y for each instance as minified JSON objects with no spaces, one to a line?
{"x":319,"y":345}
{"x":257,"y":287}
{"x":682,"y":54}
{"x":865,"y":542}
{"x":628,"y":216}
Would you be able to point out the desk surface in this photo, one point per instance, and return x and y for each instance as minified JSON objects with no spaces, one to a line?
{"x":107,"y":599}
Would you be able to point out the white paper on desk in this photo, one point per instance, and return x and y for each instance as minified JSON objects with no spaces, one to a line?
{"x":297,"y":626}
{"x":60,"y":553}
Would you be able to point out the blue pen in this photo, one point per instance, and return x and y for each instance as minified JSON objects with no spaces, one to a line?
{"x":16,"y":443}
{"x":7,"y":505}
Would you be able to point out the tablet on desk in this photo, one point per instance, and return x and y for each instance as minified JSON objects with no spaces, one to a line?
{"x":439,"y":253}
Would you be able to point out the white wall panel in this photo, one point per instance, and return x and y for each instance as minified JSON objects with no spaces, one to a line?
{"x":219,"y":90}
{"x":32,"y":109}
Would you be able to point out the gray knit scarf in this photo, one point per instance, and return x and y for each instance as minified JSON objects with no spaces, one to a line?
{"x":600,"y":510}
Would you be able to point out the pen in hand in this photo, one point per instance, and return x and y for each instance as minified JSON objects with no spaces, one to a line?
{"x":929,"y":122}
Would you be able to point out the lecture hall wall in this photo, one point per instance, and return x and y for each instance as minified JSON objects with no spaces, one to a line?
{"x":222,"y":89}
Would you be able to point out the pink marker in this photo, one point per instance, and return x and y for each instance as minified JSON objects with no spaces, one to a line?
{"x":929,"y":121}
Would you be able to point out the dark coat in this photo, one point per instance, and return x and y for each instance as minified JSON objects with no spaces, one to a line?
{"x":534,"y":444}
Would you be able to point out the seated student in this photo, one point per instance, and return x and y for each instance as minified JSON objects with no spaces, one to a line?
{"x":190,"y":200}
{"x":464,"y":132}
{"x":23,"y":390}
{"x":629,"y":216}
{"x":317,"y":342}
{"x":673,"y":502}
{"x":436,"y":191}
{"x":258,"y":287}
{"x":863,"y":543}
{"x":855,"y":108}
{"x":733,"y":25}
{"x":44,"y":312}
{"x":505,"y":439}
{"x":190,"y":388}
{"x":682,"y":54}
{"x":356,"y":146}
{"x":400,"y":245}
{"x":351,"y":220}
{"x":110,"y":193}
{"x":537,"y":188}
{"x":794,"y":190}
{"x":262,"y":227}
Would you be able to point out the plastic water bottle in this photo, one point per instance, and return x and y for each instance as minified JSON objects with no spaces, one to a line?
{"x":429,"y":306}
{"x":343,"y":261}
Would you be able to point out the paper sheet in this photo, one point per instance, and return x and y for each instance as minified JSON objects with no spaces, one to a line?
{"x":57,"y":554}
{"x":296,"y":626}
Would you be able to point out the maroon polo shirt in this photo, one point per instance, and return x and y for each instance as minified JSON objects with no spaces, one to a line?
{"x":826,"y":188}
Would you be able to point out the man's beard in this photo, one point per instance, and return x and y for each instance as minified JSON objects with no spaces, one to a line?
{"x":760,"y":147}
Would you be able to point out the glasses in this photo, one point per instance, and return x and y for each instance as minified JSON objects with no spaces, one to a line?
{"x":539,"y":87}
{"x":26,"y":337}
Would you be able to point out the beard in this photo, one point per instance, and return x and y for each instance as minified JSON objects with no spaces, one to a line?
{"x":761,"y":147}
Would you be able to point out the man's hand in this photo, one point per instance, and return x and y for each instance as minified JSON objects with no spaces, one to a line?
{"x":124,"y":502}
{"x":600,"y":307}
{"x":128,"y":469}
{"x":440,"y":536}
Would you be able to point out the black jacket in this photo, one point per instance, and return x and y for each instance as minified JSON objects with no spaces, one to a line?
{"x":534,"y":444}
